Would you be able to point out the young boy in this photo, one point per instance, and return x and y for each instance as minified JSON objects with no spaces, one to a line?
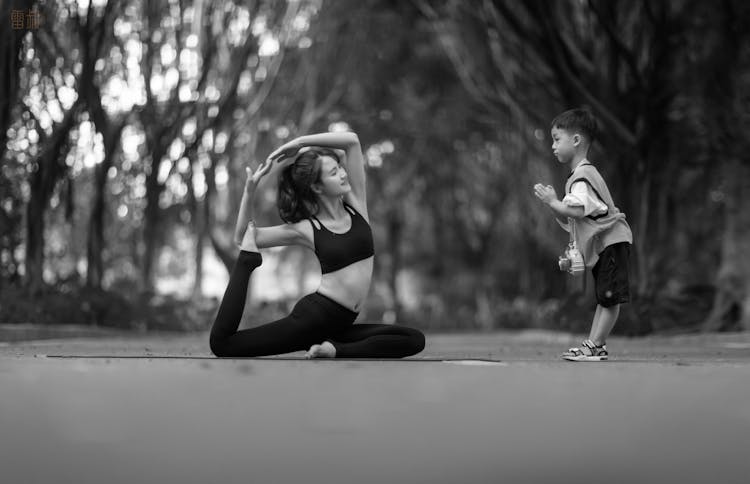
{"x":595,"y":224}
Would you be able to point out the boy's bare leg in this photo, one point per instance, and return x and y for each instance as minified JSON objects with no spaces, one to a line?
{"x":606,"y":321}
{"x":595,"y":323}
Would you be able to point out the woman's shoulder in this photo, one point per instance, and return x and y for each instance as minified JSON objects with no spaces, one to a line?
{"x":358,"y":205}
{"x":303,"y":226}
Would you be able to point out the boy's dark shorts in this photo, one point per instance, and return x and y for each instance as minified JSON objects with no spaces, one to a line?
{"x":611,"y":275}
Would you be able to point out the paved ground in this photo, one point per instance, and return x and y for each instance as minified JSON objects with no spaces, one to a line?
{"x":159,"y":409}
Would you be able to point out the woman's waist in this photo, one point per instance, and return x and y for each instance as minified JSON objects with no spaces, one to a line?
{"x":348,"y":286}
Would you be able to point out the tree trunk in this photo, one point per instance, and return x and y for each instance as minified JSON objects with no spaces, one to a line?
{"x":225,"y":252}
{"x":199,"y":213}
{"x":95,"y":244}
{"x":395,"y":225}
{"x":226,"y":255}
{"x":90,"y":34}
{"x":35,"y":239}
{"x":733,"y":276}
{"x":151,"y":218}
{"x":50,"y":170}
{"x":10,"y":49}
{"x":724,"y":69}
{"x":640,"y":236}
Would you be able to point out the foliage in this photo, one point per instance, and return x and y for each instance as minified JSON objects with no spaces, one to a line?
{"x":129,"y":125}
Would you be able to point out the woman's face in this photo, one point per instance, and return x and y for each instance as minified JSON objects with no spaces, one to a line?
{"x":334,"y":180}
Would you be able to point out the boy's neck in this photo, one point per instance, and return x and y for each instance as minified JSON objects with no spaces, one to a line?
{"x":577,"y":159}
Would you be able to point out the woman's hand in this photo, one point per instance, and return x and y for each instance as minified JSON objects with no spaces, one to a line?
{"x":269,"y":165}
{"x":287,"y":150}
{"x":253,"y":177}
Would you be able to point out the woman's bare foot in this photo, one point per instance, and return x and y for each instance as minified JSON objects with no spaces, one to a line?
{"x":248,"y":240}
{"x":323,"y":350}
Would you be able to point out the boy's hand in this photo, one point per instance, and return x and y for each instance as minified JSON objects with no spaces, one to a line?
{"x":545,"y":193}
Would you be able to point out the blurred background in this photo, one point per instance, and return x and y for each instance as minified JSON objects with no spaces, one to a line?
{"x":125,"y":127}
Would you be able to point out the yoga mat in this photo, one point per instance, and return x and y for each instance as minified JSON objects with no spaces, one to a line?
{"x":463,"y":361}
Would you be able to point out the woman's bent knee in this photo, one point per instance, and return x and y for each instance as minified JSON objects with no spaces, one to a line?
{"x":218,"y":346}
{"x":416,"y":340}
{"x":419,"y":341}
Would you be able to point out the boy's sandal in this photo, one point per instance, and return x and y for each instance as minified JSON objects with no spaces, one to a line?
{"x":588,"y":351}
{"x":574,"y":350}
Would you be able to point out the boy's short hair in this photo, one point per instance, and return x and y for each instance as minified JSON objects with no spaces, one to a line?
{"x":580,"y":120}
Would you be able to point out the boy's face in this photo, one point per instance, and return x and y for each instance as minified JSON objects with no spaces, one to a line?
{"x":564,"y":144}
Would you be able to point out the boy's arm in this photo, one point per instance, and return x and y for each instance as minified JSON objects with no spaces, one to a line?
{"x":580,"y":195}
{"x":562,"y":211}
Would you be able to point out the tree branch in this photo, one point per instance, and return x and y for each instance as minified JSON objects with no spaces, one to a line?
{"x":620,"y":47}
{"x":557,"y":58}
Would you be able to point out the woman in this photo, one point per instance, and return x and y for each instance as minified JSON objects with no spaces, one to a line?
{"x":323,"y":204}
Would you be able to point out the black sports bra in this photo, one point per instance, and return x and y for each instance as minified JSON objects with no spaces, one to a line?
{"x":336,"y":251}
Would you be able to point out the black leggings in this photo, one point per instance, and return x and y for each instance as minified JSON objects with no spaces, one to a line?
{"x":314,"y":319}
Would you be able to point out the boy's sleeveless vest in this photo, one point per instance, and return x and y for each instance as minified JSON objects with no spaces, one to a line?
{"x":594,"y":234}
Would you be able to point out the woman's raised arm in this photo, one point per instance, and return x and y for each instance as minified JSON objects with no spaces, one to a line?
{"x":245,"y":214}
{"x":346,"y":141}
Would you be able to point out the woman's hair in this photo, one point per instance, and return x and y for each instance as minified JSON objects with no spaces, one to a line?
{"x":296,"y":199}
